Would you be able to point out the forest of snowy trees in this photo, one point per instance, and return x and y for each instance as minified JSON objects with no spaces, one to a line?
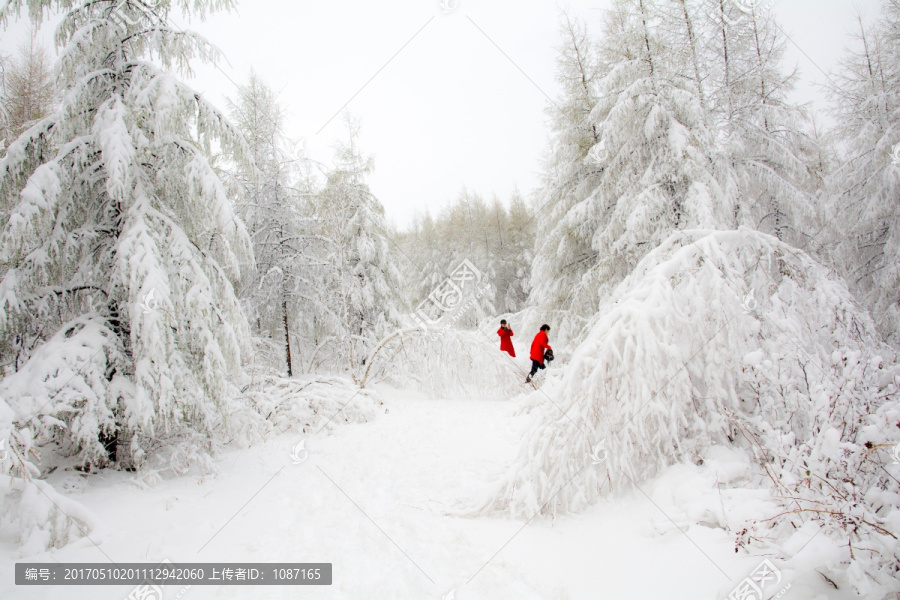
{"x":497,"y":239}
{"x":721,"y":271}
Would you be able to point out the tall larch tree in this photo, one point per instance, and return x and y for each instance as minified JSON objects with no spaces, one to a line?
{"x":119,"y":324}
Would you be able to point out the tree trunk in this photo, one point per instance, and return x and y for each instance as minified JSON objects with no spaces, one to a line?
{"x":287,"y":335}
{"x":113,"y":441}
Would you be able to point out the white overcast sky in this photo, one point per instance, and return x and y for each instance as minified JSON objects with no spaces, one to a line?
{"x":461,"y":103}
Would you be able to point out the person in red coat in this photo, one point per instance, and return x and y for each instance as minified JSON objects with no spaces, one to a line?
{"x":505,"y":332}
{"x":538,"y":347}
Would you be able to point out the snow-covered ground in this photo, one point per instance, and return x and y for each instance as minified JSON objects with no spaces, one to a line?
{"x":373,"y":499}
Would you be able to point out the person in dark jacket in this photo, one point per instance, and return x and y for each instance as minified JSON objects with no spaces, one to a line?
{"x":538,"y":347}
{"x":505,"y":332}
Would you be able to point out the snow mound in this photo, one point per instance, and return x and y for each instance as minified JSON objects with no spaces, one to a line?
{"x":729,"y":339}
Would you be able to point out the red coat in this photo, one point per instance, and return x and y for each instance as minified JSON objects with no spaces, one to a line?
{"x":506,"y":344}
{"x":538,"y":346}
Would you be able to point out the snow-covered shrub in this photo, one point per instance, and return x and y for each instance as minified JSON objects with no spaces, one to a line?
{"x":447,"y":363}
{"x":266,"y":354}
{"x":31,"y":510}
{"x":43,"y":517}
{"x":262,"y":402}
{"x":728,"y":338}
{"x":64,"y":392}
{"x":309,"y":402}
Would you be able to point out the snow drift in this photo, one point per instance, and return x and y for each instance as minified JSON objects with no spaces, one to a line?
{"x":734,"y":339}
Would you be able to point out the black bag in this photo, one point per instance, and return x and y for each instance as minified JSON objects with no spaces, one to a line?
{"x":548,"y":355}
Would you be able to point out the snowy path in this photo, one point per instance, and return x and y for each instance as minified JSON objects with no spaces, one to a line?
{"x":369,"y":499}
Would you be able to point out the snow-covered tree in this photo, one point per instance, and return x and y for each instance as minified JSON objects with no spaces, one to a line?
{"x":515,"y":241}
{"x":420,"y":271}
{"x":729,"y":340}
{"x":26,"y":88}
{"x":690,"y":126}
{"x":468,"y":234}
{"x":119,"y":325}
{"x":26,"y":93}
{"x":864,"y":216}
{"x":365,"y":280}
{"x":763,"y":137}
{"x":272,"y":213}
{"x":497,"y":240}
{"x":564,"y":225}
{"x":659,"y":173}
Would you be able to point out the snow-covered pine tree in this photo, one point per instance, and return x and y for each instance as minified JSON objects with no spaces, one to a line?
{"x":421,"y":262}
{"x":272,"y":214}
{"x":468,"y":234}
{"x":678,"y":367}
{"x":764,"y":141}
{"x":26,"y":93}
{"x":659,"y":173}
{"x":365,"y":279}
{"x":515,"y":249}
{"x":564,"y":225}
{"x":26,"y":88}
{"x":119,"y":324}
{"x":864,"y":215}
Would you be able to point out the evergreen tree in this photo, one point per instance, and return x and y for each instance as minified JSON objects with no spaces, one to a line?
{"x":864,"y":217}
{"x":515,"y":248}
{"x":26,"y":88}
{"x":118,"y":321}
{"x":658,"y":169}
{"x":366,"y":279}
{"x":563,"y":247}
{"x":764,"y":138}
{"x":272,"y":214}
